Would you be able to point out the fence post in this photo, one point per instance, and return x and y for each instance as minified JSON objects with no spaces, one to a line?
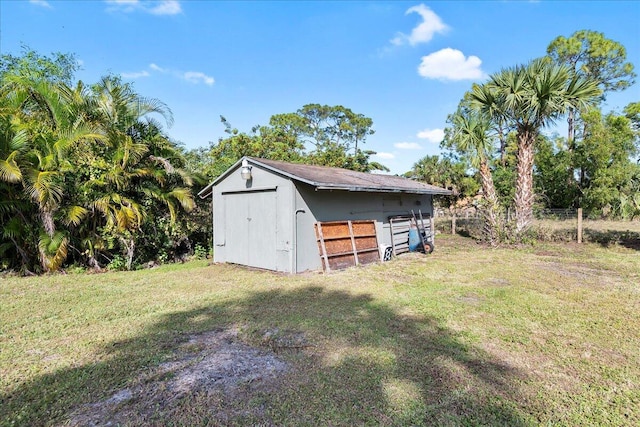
{"x":579,"y":225}
{"x":453,"y":224}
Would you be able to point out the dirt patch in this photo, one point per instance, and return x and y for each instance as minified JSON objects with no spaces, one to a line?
{"x":215,"y":361}
{"x":499,"y":282}
{"x":471,"y":299}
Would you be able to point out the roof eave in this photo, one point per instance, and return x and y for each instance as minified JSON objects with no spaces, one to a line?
{"x":206,"y":191}
{"x":382,"y":190}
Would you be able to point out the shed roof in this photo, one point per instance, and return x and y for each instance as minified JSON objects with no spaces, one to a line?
{"x":330,"y":178}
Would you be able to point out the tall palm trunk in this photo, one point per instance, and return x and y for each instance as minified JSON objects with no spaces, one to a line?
{"x":46,"y":216}
{"x":571,"y":132}
{"x":490,"y":211}
{"x":524,"y":194}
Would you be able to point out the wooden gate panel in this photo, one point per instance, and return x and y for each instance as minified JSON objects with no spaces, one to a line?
{"x":343,"y":244}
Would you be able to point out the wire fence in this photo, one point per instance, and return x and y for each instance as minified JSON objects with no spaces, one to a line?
{"x":548,"y":225}
{"x":538,"y":214}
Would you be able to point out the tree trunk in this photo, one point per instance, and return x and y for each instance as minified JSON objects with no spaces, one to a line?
{"x":503,"y":145}
{"x":130,"y":244}
{"x":490,"y":211}
{"x":46,"y":217}
{"x":524,"y":182}
{"x":26,"y":262}
{"x":571,"y":133}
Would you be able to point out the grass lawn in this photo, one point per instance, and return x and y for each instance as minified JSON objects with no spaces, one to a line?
{"x":541,"y":335}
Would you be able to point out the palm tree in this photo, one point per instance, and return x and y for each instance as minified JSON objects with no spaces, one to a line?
{"x":531,"y":97}
{"x":43,"y":111}
{"x":138,"y":165}
{"x":13,"y":143}
{"x":470,"y":135}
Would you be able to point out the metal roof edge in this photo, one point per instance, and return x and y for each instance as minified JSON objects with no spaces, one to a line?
{"x":443,"y":192}
{"x":321,"y":186}
{"x":206,"y":191}
{"x":281,"y":172}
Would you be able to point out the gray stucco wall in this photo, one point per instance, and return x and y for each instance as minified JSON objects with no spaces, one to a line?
{"x":324,"y":205}
{"x":252,"y":220}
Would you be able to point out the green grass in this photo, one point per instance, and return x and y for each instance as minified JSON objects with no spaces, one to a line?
{"x":541,"y":335}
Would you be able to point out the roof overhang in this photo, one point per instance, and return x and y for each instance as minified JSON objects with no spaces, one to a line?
{"x":319,"y":186}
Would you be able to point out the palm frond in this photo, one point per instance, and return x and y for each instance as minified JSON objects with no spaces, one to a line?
{"x":73,"y":215}
{"x":9,"y":169}
{"x":43,"y":187}
{"x":13,"y":228}
{"x":53,"y":250}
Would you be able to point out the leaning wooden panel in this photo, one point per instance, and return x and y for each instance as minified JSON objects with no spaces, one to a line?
{"x":339,"y":262}
{"x":363,"y":243}
{"x":338,"y":246}
{"x":363,"y":228}
{"x":369,"y":257}
{"x":336,"y":229}
{"x":343,"y":244}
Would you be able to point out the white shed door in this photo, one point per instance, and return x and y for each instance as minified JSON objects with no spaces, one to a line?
{"x":251,"y":228}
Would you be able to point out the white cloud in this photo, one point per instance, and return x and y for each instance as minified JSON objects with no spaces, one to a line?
{"x":383,"y":155}
{"x":126,"y":6}
{"x":450,"y":64}
{"x":197,"y":77}
{"x":163,"y":7}
{"x":41,"y":3}
{"x":135,"y":74}
{"x":425,"y":30}
{"x":168,"y":7}
{"x":156,"y":68}
{"x":408,"y":145}
{"x":432,"y":135}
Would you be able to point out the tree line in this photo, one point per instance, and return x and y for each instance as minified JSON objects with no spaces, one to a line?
{"x":89,"y":176}
{"x":495,"y":145}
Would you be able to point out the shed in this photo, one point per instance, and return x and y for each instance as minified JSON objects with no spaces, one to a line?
{"x":265,"y":212}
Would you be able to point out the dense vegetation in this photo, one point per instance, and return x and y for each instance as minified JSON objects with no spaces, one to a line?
{"x":496,"y":132}
{"x":89,"y":177}
{"x":87,"y":174}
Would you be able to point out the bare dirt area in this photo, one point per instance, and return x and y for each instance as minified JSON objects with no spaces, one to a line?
{"x":214,"y":362}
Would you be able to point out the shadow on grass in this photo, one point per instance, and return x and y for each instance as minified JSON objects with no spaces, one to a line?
{"x":627,"y":239}
{"x":369,"y":365}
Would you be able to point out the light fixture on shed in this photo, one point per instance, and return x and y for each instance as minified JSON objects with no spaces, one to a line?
{"x":245,"y":172}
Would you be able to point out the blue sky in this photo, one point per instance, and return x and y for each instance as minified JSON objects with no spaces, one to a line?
{"x":404,"y":64}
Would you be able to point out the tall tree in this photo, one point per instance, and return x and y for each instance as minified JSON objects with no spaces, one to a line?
{"x":632,"y":112}
{"x":591,"y":55}
{"x":57,"y":68}
{"x":469,"y":135}
{"x":604,"y":156}
{"x":275,"y":143}
{"x":334,"y":135}
{"x":448,"y":173}
{"x":531,"y":96}
{"x":134,"y":168}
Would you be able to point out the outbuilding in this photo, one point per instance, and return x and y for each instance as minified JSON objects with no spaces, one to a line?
{"x":269,"y":214}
